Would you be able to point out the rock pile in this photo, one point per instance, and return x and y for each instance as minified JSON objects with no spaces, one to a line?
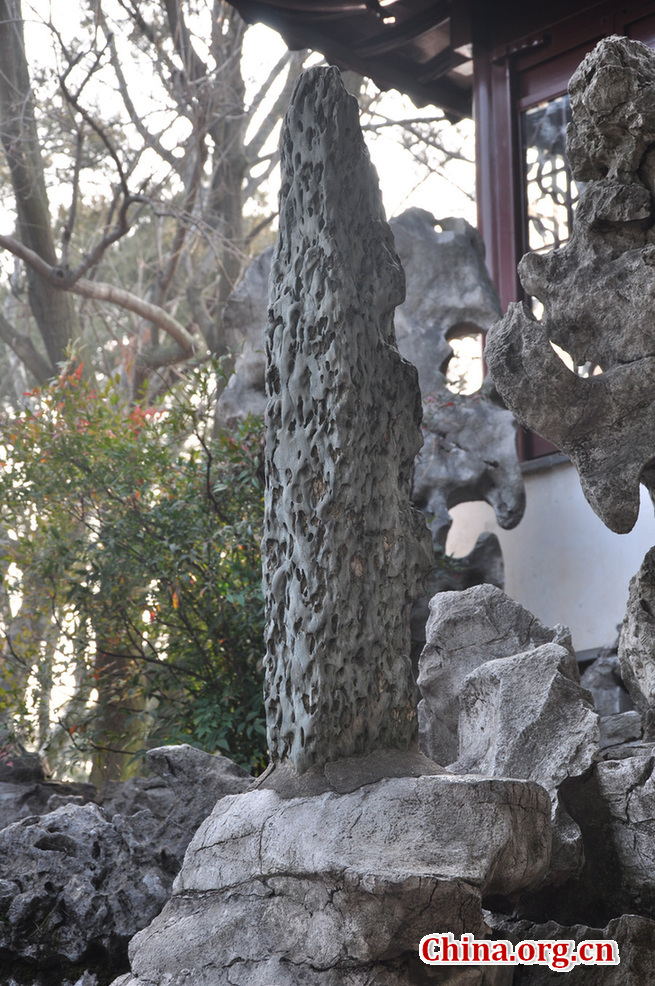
{"x":597,"y":292}
{"x":77,"y":881}
{"x":532,"y":816}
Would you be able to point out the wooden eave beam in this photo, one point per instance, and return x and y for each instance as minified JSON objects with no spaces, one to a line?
{"x":298,"y":33}
{"x":406,"y":32}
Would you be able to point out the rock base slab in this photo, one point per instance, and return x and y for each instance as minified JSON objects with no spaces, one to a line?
{"x":339,"y":888}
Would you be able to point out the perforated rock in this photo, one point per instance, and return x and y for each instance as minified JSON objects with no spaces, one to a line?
{"x":344,"y":553}
{"x":598,"y":293}
{"x":449,"y":290}
{"x":469,"y":451}
{"x":328,"y":869}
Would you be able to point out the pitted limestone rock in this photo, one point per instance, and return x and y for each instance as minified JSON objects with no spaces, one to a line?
{"x":244,"y":319}
{"x":469,"y":453}
{"x":469,"y":448}
{"x":325,"y":873}
{"x":464,"y":630}
{"x":597,"y":292}
{"x":74,"y":881}
{"x":449,"y":291}
{"x":344,"y":553}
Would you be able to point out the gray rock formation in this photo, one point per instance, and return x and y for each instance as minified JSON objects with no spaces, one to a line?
{"x":84,"y":879}
{"x":598,"y":293}
{"x":23,"y":800}
{"x":627,"y":791}
{"x":24,"y":790}
{"x":526,"y":716}
{"x":469,"y":451}
{"x":344,"y":554}
{"x":621,"y":728}
{"x":244,"y":322}
{"x":637,"y":638}
{"x":184,"y":785}
{"x":272,"y":892}
{"x":72,"y":879}
{"x":634,"y":936}
{"x":324,"y":874}
{"x":449,"y":291}
{"x":464,"y":630}
{"x":603,"y":679}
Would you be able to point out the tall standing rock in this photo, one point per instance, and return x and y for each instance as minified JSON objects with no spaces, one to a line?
{"x":333,"y":867}
{"x":344,"y":552}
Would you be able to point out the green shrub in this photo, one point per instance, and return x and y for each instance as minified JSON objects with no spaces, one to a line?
{"x":135,"y":543}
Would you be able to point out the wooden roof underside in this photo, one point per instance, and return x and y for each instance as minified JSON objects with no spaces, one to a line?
{"x":420,"y":47}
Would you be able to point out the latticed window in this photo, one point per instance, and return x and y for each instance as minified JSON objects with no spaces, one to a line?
{"x":550,"y":190}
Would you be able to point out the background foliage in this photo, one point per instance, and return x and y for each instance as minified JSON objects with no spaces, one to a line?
{"x":132,"y":537}
{"x":137,"y":179}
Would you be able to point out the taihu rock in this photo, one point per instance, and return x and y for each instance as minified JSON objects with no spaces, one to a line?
{"x":469,"y":448}
{"x":83,"y":879}
{"x":604,"y":680}
{"x":633,"y":934}
{"x":598,"y":293}
{"x":344,"y":553}
{"x":449,"y":290}
{"x":627,"y":792}
{"x":325,"y":873}
{"x":272,"y":891}
{"x":72,"y":880}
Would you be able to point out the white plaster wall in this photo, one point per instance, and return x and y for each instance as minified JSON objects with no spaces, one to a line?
{"x":561,"y":562}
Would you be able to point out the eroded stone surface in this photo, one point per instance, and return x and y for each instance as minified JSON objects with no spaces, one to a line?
{"x":637,"y":639}
{"x":284,"y":897}
{"x":633,"y":934}
{"x":78,"y":879}
{"x":469,"y":453}
{"x":470,"y":441}
{"x":526,"y":716}
{"x":72,"y":879}
{"x":449,"y":291}
{"x":464,"y":630}
{"x":344,"y":553}
{"x":597,"y":292}
{"x":627,"y":789}
{"x":244,"y":320}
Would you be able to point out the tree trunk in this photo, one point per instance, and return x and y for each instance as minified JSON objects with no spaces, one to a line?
{"x":52,"y":309}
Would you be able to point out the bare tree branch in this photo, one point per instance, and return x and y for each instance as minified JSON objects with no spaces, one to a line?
{"x":102,"y":292}
{"x":24,"y":348}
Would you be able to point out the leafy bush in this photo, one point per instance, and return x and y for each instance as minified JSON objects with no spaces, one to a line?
{"x":132,"y":543}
